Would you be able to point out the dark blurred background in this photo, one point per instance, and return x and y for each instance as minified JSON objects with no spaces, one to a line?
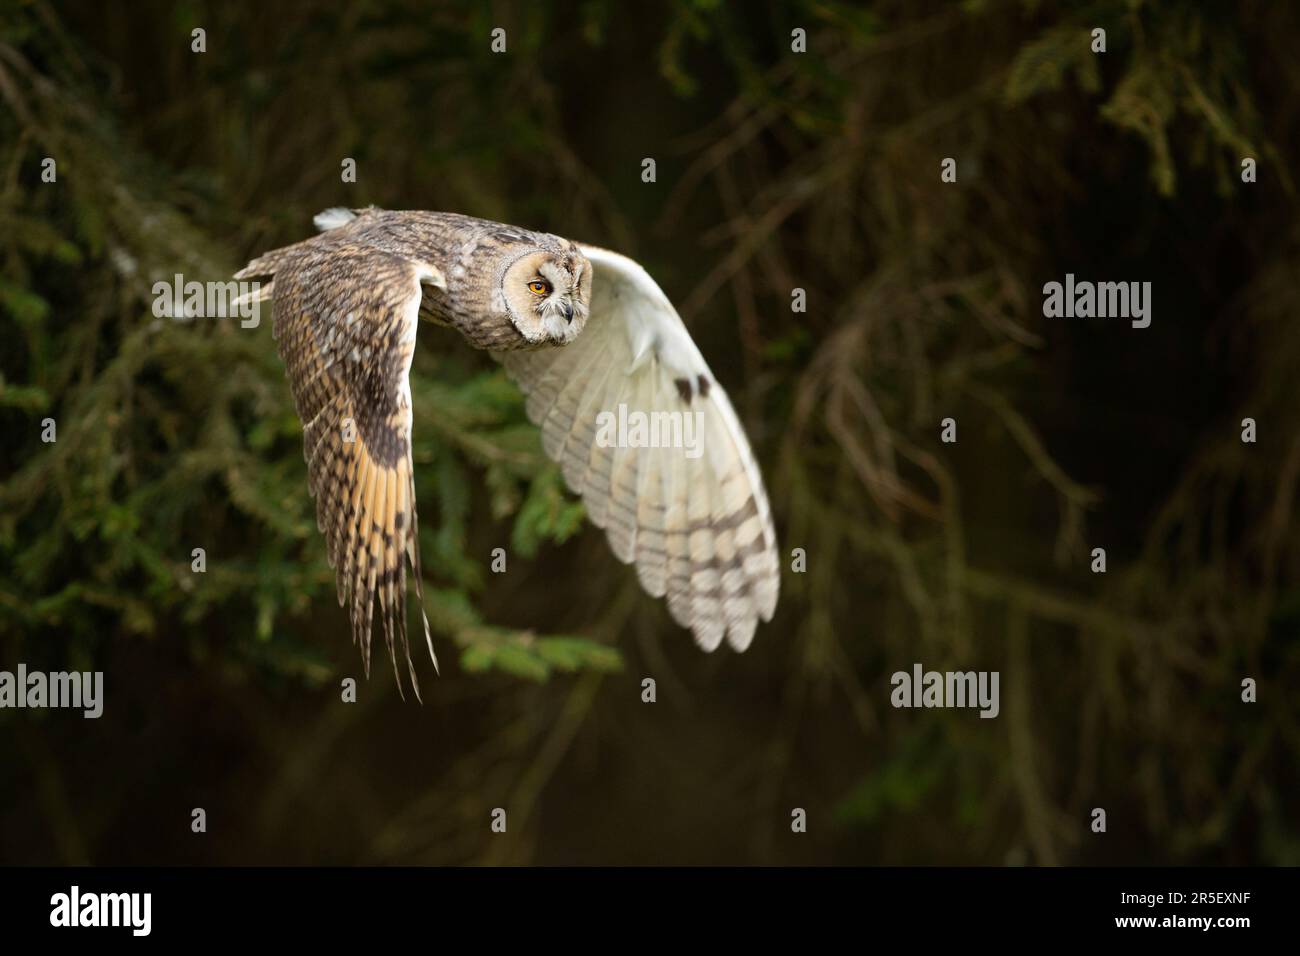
{"x":776,"y":170}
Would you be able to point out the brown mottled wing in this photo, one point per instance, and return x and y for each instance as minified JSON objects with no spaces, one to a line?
{"x":345,"y":317}
{"x":698,"y":525}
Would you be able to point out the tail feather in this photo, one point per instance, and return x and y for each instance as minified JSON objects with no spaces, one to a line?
{"x":333,"y":217}
{"x":263,"y":265}
{"x":268,"y":262}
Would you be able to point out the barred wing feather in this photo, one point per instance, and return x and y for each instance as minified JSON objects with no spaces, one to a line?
{"x":695,"y":520}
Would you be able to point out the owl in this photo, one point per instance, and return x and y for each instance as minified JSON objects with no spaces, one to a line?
{"x":593,"y":343}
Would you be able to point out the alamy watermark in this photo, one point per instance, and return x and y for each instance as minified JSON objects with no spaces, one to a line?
{"x":75,"y":908}
{"x":1101,"y":300}
{"x":62,"y":689}
{"x":179,"y":299}
{"x":636,"y":429}
{"x":922,"y":688}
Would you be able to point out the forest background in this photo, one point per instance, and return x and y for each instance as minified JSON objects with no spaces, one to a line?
{"x":776,"y":170}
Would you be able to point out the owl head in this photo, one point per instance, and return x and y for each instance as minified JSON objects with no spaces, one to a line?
{"x":547,"y":294}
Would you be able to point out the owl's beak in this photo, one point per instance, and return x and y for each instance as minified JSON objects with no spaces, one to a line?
{"x":568,"y":312}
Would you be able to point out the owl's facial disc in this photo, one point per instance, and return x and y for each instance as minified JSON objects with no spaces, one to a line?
{"x":548,"y":294}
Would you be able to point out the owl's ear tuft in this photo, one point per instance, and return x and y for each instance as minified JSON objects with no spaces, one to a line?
{"x":333,"y":218}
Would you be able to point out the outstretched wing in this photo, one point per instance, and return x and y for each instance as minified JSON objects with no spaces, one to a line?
{"x":695,"y":520}
{"x":344,"y":319}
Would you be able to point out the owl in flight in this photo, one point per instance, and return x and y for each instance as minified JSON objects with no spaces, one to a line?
{"x":582,"y":331}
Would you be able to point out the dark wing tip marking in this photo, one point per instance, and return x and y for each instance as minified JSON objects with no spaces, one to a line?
{"x":687,"y":390}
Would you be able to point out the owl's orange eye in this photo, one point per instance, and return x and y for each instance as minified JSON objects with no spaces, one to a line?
{"x":538,"y":287}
